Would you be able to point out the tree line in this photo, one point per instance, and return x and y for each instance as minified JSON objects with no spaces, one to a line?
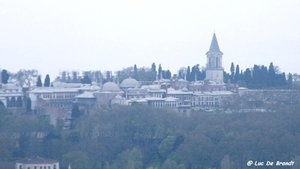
{"x":257,"y":77}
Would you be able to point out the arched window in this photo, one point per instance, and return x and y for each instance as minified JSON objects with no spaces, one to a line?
{"x":13,"y":102}
{"x":19,"y":102}
{"x":8,"y":102}
{"x":217,"y":62}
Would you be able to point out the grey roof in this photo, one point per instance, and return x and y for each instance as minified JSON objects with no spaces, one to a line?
{"x":110,"y":86}
{"x":215,"y":93}
{"x":129,"y":82}
{"x":53,"y":90}
{"x":37,"y":160}
{"x":214,"y":46}
{"x":86,"y":95}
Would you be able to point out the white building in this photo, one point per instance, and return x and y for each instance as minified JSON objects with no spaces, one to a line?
{"x":210,"y":99}
{"x":37,"y":163}
{"x":11,"y":95}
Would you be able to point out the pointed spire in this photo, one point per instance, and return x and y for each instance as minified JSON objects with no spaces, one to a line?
{"x":214,"y":46}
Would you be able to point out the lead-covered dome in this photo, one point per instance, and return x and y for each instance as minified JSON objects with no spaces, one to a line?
{"x":129,"y":83}
{"x":110,"y":86}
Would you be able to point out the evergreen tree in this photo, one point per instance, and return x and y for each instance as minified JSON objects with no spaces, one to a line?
{"x":241,"y":75}
{"x":64,"y":76}
{"x":69,"y":80}
{"x":28,"y":105}
{"x":135,"y":72}
{"x":167,"y":74}
{"x":237,"y":73}
{"x":86,"y":80}
{"x":4,"y":76}
{"x":194,"y":72}
{"x":247,"y":77}
{"x":188,"y":74}
{"x":47,"y":81}
{"x":202,"y":75}
{"x":159,"y":71}
{"x":272,"y":77}
{"x":108,"y":76}
{"x":264,"y":76}
{"x":74,"y":77}
{"x":153,"y":71}
{"x":290,"y":81}
{"x":232,"y":71}
{"x":39,"y":82}
{"x":256,"y":77}
{"x":75,"y":112}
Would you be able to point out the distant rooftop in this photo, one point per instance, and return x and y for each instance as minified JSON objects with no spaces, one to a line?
{"x":37,"y":160}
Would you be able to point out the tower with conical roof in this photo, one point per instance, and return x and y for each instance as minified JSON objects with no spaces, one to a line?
{"x":214,"y":69}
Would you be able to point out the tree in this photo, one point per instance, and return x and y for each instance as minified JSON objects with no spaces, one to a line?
{"x":74,"y":77}
{"x":86,"y":80}
{"x":237,"y":73}
{"x":108,"y":76}
{"x":153,"y":71}
{"x":272,"y":77}
{"x":129,"y":159}
{"x":166,"y":146}
{"x":290,"y":81}
{"x":232,"y":71}
{"x":166,"y":74}
{"x":4,"y":76}
{"x":159,"y":71}
{"x":135,"y":72}
{"x":188,"y":74}
{"x":28,"y":105}
{"x":78,"y":160}
{"x":75,"y":112}
{"x":47,"y":81}
{"x":64,"y":76}
{"x":170,"y":164}
{"x":25,"y":77}
{"x":247,"y":76}
{"x":39,"y":82}
{"x":182,"y":72}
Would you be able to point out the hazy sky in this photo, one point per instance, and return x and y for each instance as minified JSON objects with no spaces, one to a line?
{"x":59,"y":35}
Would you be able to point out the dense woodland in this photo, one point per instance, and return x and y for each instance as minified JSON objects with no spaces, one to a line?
{"x":142,"y":137}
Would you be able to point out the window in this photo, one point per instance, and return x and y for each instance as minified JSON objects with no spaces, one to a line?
{"x":34,"y":167}
{"x":54,"y":166}
{"x":20,"y":167}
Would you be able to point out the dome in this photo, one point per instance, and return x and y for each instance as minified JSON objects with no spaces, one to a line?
{"x":184,"y":89}
{"x":110,"y":86}
{"x":129,"y":83}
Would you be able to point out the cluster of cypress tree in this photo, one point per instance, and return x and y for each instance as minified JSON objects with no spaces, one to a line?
{"x":258,"y":77}
{"x":46,"y":81}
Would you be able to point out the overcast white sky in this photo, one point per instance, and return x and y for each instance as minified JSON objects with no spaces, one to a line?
{"x":59,"y":35}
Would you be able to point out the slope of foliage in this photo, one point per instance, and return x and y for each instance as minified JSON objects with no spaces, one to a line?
{"x":142,"y":137}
